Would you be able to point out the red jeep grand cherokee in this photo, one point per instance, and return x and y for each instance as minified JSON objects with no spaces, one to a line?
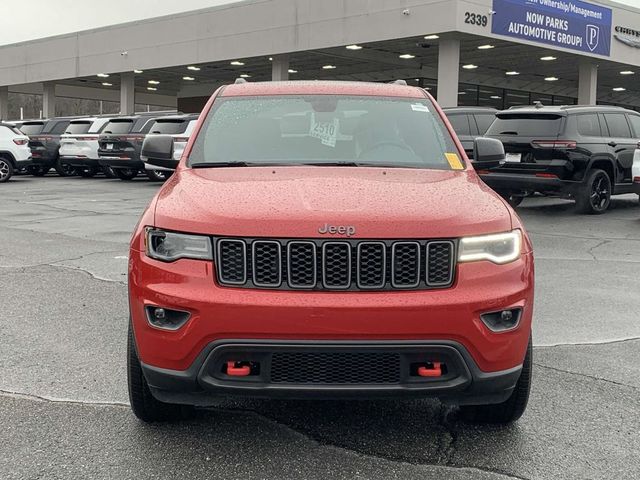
{"x":328,"y":239}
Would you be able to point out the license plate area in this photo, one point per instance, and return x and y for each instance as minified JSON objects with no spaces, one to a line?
{"x":513,"y":157}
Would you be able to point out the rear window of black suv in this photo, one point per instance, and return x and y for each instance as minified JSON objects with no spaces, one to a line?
{"x":526,"y":125}
{"x":118,"y":126}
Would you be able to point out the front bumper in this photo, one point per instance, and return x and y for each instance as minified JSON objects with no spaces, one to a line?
{"x":219,"y":313}
{"x":120,"y":162}
{"x":24,"y":163}
{"x":510,"y":182}
{"x":80,"y":162}
{"x":371,"y":369}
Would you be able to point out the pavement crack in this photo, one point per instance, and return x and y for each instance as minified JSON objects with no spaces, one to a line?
{"x":591,"y":377}
{"x":581,"y":344}
{"x":447,"y":447}
{"x":600,"y":244}
{"x":41,"y":398}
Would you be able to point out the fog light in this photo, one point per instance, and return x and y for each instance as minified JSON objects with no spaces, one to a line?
{"x":166,"y":318}
{"x":502,"y":320}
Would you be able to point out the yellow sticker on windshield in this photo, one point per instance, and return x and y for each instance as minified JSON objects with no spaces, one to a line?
{"x":454,"y":161}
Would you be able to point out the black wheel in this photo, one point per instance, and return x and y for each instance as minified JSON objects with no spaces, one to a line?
{"x":87,"y":172}
{"x":6,"y":169}
{"x":595,"y":194}
{"x":143,"y":403}
{"x":126,"y":173}
{"x":108,"y":172}
{"x":64,"y":169}
{"x":158,"y":175}
{"x":512,"y":199}
{"x":511,"y":409}
{"x":38,"y":170}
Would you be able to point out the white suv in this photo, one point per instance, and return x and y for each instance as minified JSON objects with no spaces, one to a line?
{"x":180,"y":128}
{"x":79,"y":144}
{"x":14,"y":151}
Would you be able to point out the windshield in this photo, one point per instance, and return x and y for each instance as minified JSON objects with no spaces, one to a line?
{"x":325,"y":129}
{"x":526,"y":125}
{"x":31,"y":128}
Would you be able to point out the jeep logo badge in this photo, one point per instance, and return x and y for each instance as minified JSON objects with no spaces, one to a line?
{"x":347,"y":230}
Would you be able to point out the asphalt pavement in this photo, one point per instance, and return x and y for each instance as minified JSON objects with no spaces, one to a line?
{"x":63,"y":399}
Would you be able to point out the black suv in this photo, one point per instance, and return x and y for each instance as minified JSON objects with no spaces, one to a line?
{"x":44,"y":142}
{"x":470,"y":123}
{"x":579,"y":152}
{"x":120,"y":143}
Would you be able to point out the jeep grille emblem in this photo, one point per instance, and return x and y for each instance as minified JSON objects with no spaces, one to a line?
{"x":348,"y":230}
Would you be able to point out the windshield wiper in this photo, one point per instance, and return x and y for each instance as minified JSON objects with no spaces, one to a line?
{"x":333,"y":164}
{"x":219,"y":164}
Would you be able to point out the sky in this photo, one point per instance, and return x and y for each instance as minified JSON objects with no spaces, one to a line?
{"x":55,"y":17}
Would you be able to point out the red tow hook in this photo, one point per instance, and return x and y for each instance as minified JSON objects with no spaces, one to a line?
{"x":234,"y":371}
{"x":428,"y":371}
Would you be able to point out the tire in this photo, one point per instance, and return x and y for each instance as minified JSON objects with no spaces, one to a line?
{"x":38,"y":170}
{"x":594,"y":196}
{"x":158,"y":175}
{"x":87,"y":172}
{"x":143,"y":403}
{"x":108,"y":172}
{"x":64,"y":169}
{"x":125,"y":173}
{"x":513,"y":407}
{"x":513,"y":200}
{"x":6,"y":170}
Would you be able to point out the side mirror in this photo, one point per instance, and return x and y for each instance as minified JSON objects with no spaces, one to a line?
{"x":488,"y":153}
{"x":158,"y":150}
{"x":158,"y":147}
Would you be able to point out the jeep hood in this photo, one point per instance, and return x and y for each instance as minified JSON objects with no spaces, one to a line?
{"x":297,"y":201}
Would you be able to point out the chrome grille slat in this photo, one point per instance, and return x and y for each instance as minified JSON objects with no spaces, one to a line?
{"x":302,"y":264}
{"x":439,"y":263}
{"x":405,"y":264}
{"x":336,"y":265}
{"x":233,"y":261}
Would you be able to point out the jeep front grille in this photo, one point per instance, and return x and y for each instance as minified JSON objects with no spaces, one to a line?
{"x":335,"y":264}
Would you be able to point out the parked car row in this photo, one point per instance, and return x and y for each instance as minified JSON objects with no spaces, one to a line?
{"x":86,"y":146}
{"x":585,"y":153}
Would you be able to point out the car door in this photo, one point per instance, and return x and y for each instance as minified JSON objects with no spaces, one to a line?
{"x":622,"y":144}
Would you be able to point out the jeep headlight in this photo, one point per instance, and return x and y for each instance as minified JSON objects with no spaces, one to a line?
{"x":171,"y":246}
{"x":498,"y":248}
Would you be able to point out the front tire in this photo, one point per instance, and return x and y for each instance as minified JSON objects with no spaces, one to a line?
{"x":126,"y":173}
{"x":158,"y":175}
{"x":6,"y":170}
{"x":87,"y":172}
{"x":513,"y":407}
{"x":143,"y":403}
{"x":38,"y":170}
{"x":64,"y":169}
{"x":594,"y":196}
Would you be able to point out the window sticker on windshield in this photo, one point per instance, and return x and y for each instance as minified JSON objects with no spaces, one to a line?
{"x":454,"y":161}
{"x":418,"y":107}
{"x":327,"y":132}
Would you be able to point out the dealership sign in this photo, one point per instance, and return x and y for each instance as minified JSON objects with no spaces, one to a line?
{"x":562,"y":23}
